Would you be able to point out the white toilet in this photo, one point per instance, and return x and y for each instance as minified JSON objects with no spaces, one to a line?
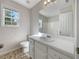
{"x":25,"y":48}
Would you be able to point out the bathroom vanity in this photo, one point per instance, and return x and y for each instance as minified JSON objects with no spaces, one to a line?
{"x":55,"y":49}
{"x":59,"y":24}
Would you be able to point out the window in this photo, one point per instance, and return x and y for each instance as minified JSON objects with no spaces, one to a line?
{"x":10,"y":17}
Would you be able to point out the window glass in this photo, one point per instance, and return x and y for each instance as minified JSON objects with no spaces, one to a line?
{"x":11,"y":17}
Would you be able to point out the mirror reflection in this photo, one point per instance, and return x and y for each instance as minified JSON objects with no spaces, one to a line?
{"x":49,"y":25}
{"x":58,"y":22}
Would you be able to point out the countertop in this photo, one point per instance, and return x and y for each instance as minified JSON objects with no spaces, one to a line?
{"x":62,"y":45}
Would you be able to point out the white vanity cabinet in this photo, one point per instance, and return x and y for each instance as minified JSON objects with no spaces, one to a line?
{"x":39,"y":54}
{"x":43,"y":51}
{"x":61,"y":56}
{"x":52,"y":54}
{"x":40,"y":51}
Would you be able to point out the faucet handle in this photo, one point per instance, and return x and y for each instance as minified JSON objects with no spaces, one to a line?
{"x":48,"y":36}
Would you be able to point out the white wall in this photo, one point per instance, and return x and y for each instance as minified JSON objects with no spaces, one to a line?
{"x":34,"y":29}
{"x":34,"y":19}
{"x":11,"y":36}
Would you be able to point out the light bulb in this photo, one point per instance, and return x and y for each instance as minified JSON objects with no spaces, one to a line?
{"x":45,"y":2}
{"x":48,"y":0}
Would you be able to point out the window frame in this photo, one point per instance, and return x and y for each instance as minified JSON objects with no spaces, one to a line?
{"x":3,"y":16}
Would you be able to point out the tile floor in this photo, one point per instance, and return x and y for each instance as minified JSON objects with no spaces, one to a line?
{"x":17,"y":54}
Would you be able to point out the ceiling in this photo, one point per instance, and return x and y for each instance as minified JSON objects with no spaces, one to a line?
{"x":50,"y":10}
{"x":27,"y":4}
{"x":54,"y":9}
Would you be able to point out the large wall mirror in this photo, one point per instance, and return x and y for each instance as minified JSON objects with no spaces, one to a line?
{"x":57,"y":22}
{"x":49,"y":25}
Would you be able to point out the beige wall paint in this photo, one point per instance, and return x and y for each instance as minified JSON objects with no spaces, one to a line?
{"x":11,"y":36}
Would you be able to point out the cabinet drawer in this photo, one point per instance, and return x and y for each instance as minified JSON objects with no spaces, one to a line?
{"x":41,"y":46}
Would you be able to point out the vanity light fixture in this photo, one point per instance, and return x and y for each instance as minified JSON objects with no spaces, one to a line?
{"x":46,"y":2}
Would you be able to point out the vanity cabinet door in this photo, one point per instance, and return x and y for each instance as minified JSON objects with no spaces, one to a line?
{"x":41,"y":46}
{"x":63,"y":57}
{"x":40,"y":51}
{"x":39,"y":54}
{"x":52,"y":54}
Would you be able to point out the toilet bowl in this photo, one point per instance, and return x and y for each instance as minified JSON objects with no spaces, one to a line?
{"x":25,"y":47}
